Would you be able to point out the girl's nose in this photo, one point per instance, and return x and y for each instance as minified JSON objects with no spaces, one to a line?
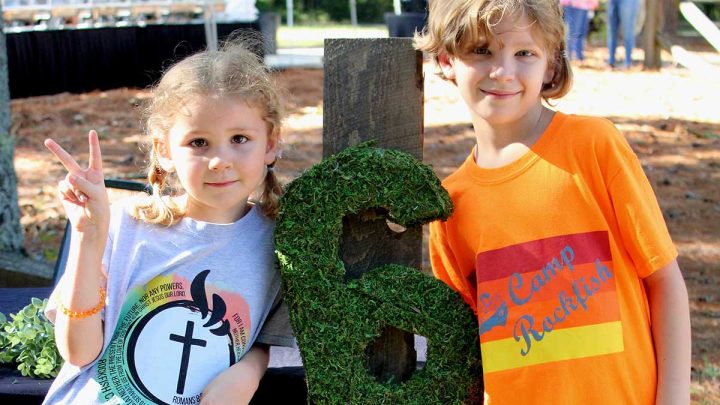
{"x":220,"y":161}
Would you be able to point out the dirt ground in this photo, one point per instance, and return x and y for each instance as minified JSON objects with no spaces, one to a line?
{"x":670,"y":118}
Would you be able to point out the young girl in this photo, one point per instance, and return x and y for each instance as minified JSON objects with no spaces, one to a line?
{"x":556,"y":238}
{"x":172,"y":299}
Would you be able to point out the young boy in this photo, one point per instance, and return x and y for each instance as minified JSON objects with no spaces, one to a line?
{"x":556,"y":241}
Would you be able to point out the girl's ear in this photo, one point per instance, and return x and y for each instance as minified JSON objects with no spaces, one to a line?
{"x":447,"y":65}
{"x":163,"y":154}
{"x":271,"y":148}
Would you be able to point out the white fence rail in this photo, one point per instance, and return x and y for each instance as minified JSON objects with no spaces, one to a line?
{"x":44,"y":14}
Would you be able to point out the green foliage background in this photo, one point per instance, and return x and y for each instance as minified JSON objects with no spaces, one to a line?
{"x":369,"y":11}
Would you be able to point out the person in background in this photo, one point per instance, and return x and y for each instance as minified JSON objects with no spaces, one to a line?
{"x":577,"y":14}
{"x":621,"y":15}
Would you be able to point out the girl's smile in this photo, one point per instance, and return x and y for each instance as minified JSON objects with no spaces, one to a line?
{"x":221,"y":183}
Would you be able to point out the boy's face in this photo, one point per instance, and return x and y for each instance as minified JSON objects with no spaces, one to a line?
{"x":501,"y":78}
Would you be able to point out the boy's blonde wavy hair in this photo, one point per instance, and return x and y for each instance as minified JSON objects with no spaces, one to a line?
{"x":456,"y":26}
{"x":231,"y":71}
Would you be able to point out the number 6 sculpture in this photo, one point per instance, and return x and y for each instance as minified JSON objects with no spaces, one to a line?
{"x":336,"y":318}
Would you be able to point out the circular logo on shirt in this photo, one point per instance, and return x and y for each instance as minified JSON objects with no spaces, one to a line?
{"x":167,"y":348}
{"x":170,"y":347}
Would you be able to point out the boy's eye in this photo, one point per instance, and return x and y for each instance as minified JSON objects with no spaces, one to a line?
{"x":239,"y":139}
{"x":198,"y":143}
{"x":481,"y":50}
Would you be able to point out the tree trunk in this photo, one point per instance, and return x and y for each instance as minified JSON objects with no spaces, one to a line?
{"x":10,"y":231}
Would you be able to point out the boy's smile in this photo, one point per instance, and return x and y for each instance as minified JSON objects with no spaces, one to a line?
{"x":500,"y":94}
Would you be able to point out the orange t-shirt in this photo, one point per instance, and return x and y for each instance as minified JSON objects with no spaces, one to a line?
{"x":550,"y":251}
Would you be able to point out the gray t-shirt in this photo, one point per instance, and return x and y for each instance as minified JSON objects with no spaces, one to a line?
{"x":183,"y":304}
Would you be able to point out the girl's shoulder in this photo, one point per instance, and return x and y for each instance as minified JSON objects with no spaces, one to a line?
{"x":257,"y":211}
{"x":121,"y":212}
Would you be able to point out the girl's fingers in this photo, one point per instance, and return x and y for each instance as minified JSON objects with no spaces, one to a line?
{"x":64,"y":157}
{"x":95,"y":162}
{"x":67,"y":193}
{"x":80,"y":186}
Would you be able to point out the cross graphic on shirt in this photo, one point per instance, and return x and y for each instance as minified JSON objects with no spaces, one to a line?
{"x":187,"y":342}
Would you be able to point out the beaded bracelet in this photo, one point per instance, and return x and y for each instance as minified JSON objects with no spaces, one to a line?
{"x":82,"y":314}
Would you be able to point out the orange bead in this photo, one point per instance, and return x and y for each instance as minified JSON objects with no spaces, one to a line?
{"x":82,"y":314}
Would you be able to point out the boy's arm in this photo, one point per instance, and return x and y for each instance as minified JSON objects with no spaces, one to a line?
{"x":445,"y":266}
{"x":238,"y":384}
{"x":670,"y":324}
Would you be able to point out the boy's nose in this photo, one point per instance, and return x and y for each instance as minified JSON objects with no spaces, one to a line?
{"x":502,"y":71}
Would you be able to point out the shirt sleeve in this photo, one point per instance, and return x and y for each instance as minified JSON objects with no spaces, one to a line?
{"x":51,"y":307}
{"x":276,"y":330}
{"x":642,"y":227}
{"x":445,"y":265}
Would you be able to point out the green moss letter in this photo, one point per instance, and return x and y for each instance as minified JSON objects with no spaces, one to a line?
{"x":335,"y":319}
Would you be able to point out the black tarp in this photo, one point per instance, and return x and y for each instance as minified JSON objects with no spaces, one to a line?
{"x":81,"y":60}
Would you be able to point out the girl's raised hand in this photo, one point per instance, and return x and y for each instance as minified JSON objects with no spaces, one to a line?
{"x":82,"y":191}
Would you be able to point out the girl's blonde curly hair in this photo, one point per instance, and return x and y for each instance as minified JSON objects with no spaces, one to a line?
{"x":231,"y":71}
{"x":456,"y":26}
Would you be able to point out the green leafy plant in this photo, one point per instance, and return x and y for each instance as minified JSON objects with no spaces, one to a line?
{"x":28,"y":340}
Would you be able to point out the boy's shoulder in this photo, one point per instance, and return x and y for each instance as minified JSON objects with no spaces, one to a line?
{"x":585,"y":127}
{"x":576,"y":137}
{"x":586,"y":134}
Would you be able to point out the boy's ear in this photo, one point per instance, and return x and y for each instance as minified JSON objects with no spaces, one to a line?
{"x":163,"y":154}
{"x":550,"y":71}
{"x":447,"y":65}
{"x":549,"y":74}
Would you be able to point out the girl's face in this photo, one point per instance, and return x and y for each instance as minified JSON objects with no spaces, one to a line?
{"x":219,"y":148}
{"x":501,"y":78}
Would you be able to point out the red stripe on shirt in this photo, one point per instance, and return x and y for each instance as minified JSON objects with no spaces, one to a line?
{"x":534,"y":255}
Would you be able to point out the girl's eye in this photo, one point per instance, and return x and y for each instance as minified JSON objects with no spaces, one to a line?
{"x":526,"y":53}
{"x":239,"y":139}
{"x":198,"y":143}
{"x":481,"y":50}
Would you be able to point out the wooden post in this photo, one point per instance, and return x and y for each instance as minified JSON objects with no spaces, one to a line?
{"x":669,"y":14}
{"x":374,"y":90}
{"x":652,"y":49}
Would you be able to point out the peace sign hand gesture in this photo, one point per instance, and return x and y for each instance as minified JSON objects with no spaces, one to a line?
{"x":82,"y":191}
